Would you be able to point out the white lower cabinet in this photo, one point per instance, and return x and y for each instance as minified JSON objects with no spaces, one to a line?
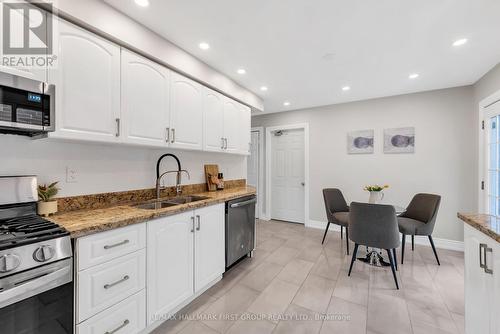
{"x":170,"y":264}
{"x":482,"y":283}
{"x":136,"y":276}
{"x":126,"y":317}
{"x":185,"y":253}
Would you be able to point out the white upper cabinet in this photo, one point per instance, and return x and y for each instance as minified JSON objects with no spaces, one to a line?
{"x":213,"y":121}
{"x":87,"y":80}
{"x":186,"y":113}
{"x":145,"y":101}
{"x":231,"y":125}
{"x":244,"y":129}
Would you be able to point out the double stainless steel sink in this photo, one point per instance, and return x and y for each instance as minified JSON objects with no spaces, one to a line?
{"x":170,"y":202}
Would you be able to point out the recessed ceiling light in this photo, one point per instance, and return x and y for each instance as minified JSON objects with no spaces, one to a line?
{"x":413,"y":76}
{"x":346,"y":88}
{"x":460,"y":42}
{"x":286,"y":103}
{"x":241,"y":71}
{"x":204,"y":46}
{"x":142,"y":3}
{"x":263,"y":88}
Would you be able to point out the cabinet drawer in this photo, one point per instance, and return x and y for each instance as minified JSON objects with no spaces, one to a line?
{"x":102,"y":247}
{"x":104,"y":285}
{"x":126,"y":317}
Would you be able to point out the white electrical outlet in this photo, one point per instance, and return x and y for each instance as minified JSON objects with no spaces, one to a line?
{"x":71,"y":175}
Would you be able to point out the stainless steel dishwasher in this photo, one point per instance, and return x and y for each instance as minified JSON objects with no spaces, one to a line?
{"x":240,"y":228}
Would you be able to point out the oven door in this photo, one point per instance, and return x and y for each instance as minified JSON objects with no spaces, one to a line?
{"x":38,"y":301}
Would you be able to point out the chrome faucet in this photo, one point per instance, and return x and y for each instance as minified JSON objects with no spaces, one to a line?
{"x":179,"y":171}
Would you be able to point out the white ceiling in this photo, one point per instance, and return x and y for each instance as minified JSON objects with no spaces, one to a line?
{"x":305,"y":51}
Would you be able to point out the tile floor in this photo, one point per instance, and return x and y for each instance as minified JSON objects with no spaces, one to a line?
{"x":293,"y":284}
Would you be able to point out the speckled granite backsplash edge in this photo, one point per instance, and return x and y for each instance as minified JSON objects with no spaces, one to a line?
{"x":104,"y":200}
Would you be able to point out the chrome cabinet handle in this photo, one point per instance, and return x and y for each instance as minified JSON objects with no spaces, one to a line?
{"x":486,"y":269}
{"x":481,"y":252}
{"x":225,"y":146}
{"x":173,"y":136}
{"x":192,"y":224}
{"x":125,"y":323}
{"x":198,"y":218}
{"x":222,"y":143}
{"x":167,"y":137}
{"x":124,"y":242}
{"x":110,"y":285}
{"x":117,"y":134}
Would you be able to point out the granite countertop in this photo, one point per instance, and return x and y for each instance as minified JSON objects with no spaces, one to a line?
{"x":489,"y":225}
{"x":88,"y":221}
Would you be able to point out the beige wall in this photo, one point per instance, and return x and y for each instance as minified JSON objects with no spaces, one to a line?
{"x":443,"y":161}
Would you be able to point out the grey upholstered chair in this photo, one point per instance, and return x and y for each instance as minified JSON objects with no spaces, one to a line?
{"x":337,"y":212}
{"x":374,"y":225}
{"x":419,"y":219}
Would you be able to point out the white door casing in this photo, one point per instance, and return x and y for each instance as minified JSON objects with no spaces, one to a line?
{"x":287,"y":176}
{"x":253,"y":166}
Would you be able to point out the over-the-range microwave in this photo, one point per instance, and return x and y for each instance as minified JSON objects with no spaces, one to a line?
{"x":26,"y":105}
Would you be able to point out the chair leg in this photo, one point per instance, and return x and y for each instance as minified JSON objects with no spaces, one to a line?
{"x":403,"y":248}
{"x":434,"y":250}
{"x":412,"y":243}
{"x":324,"y":235}
{"x":391,"y":260}
{"x":341,"y":232}
{"x":395,"y":259}
{"x":347,"y":239}
{"x":353,"y":258}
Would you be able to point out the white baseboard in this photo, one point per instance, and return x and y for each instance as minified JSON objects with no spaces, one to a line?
{"x":419,"y":240}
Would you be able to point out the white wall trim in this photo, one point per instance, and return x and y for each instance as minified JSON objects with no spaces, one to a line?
{"x":419,"y":240}
{"x":260,"y":188}
{"x":483,"y":104}
{"x":269,"y":131}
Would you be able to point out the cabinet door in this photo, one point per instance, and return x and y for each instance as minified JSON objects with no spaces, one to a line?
{"x":145,"y":105}
{"x":213,"y":121}
{"x":231,"y":124}
{"x":209,"y":245}
{"x":87,"y":81}
{"x":186,"y":113}
{"x":169,"y":263}
{"x":244,"y":130}
{"x":478,"y":285}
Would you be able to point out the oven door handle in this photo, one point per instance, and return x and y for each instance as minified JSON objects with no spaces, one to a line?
{"x":27,"y":284}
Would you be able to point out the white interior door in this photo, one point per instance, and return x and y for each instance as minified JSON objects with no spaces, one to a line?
{"x":492,"y":159}
{"x":253,"y":166}
{"x":287,"y":175}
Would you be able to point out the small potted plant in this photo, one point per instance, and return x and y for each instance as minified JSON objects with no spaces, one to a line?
{"x":47,"y":205}
{"x":376,"y":193}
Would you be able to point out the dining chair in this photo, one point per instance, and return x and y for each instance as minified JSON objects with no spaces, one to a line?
{"x":337,"y":212}
{"x":419,"y":219}
{"x":374,"y":225}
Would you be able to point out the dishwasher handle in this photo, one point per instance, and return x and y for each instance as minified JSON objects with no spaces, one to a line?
{"x":239,"y":204}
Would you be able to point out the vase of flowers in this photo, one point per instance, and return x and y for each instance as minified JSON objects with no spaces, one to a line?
{"x":47,"y":205}
{"x":376,"y":193}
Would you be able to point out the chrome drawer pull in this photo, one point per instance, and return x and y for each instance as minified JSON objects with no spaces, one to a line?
{"x":198,"y":218}
{"x":117,"y":134}
{"x":125,"y":323}
{"x":110,"y":285}
{"x":486,"y":269}
{"x":116,"y":245}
